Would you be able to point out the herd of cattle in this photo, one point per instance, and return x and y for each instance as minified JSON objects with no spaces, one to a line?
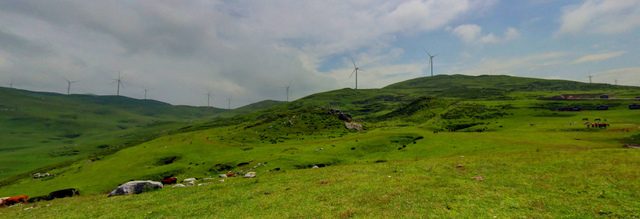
{"x":8,"y":201}
{"x":595,"y":124}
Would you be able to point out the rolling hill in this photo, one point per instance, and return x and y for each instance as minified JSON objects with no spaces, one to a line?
{"x":441,"y":131}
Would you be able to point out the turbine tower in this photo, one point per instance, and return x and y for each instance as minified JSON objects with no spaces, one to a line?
{"x":208,"y":94}
{"x":430,"y":60}
{"x":616,"y":81}
{"x":287,"y":86}
{"x":145,"y":91}
{"x":11,"y":83}
{"x":355,"y":70}
{"x":229,"y":98}
{"x":120,"y":83}
{"x":69,"y":85}
{"x":590,"y":78}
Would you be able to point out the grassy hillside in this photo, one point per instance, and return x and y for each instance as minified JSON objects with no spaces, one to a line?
{"x":537,"y":162}
{"x":41,"y":129}
{"x":248,"y":108}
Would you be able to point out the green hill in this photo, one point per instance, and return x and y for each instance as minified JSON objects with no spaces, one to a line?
{"x":39,"y":129}
{"x":248,"y":108}
{"x":509,"y":136}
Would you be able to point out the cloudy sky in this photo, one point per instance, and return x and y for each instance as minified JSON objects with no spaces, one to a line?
{"x":247,"y":50}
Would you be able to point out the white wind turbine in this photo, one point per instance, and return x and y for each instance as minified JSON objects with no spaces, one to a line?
{"x":355,"y":70}
{"x":287,"y":86}
{"x":69,"y":85}
{"x":430,"y":60}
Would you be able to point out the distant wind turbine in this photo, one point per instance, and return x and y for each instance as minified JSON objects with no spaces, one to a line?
{"x":430,"y":60}
{"x":355,"y":70}
{"x":120,"y":83}
{"x":616,"y":81}
{"x":208,"y":94}
{"x":11,"y":83}
{"x":590,"y":78}
{"x":229,"y":98}
{"x":287,"y":86}
{"x":69,"y":85}
{"x":145,"y":91}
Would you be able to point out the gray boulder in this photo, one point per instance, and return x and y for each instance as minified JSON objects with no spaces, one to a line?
{"x":190,"y":184}
{"x":135,"y":187}
{"x":250,"y":175}
{"x":178,"y":186}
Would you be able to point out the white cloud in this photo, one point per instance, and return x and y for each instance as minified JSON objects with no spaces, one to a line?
{"x":600,"y":17}
{"x":472,"y":34}
{"x":466,"y":55}
{"x":598,"y":57}
{"x":508,"y":66}
{"x":240,"y":48}
{"x":623,"y":76}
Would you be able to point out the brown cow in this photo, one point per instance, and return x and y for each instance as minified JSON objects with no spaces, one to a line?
{"x":170,"y":181}
{"x":14,"y":200}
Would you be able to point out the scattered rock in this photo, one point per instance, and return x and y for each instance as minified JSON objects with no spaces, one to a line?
{"x":315,"y":167}
{"x":478,"y":178}
{"x":222,"y":180}
{"x":178,"y":186}
{"x":250,"y":175}
{"x":189,"y":180}
{"x":135,"y":187}
{"x":222,"y":176}
{"x":634,"y":146}
{"x":29,"y":208}
{"x":190,"y":184}
{"x":210,"y":178}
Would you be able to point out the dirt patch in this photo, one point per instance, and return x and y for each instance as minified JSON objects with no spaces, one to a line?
{"x":632,"y":146}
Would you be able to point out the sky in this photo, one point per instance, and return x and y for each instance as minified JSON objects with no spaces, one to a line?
{"x":247,"y":51}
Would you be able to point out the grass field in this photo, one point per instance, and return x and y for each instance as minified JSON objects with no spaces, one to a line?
{"x":537,"y":162}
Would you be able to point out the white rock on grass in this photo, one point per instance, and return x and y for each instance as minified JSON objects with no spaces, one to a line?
{"x":191,"y":183}
{"x":250,"y":175}
{"x":189,"y":180}
{"x":178,"y":186}
{"x":222,"y":176}
{"x":135,"y":187}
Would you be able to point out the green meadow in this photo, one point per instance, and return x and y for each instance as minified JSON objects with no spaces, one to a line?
{"x":534,"y":161}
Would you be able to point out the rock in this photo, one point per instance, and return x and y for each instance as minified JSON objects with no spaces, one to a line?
{"x":29,"y":208}
{"x":222,"y":176}
{"x":478,"y":178}
{"x":36,"y":175}
{"x":178,"y":186}
{"x":250,"y":175}
{"x":315,"y":167}
{"x":459,"y":166}
{"x":190,"y":184}
{"x":189,"y":180}
{"x":290,"y":123}
{"x":135,"y":187}
{"x":203,"y":184}
{"x":222,"y":180}
{"x":209,"y":178}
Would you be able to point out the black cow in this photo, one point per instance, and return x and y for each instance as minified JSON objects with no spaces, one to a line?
{"x":63,"y":193}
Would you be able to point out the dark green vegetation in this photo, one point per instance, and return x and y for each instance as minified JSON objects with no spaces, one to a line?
{"x":536,"y":162}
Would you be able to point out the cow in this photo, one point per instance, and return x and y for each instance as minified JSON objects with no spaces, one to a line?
{"x":585,"y":119}
{"x":598,"y":119}
{"x":14,"y":200}
{"x":170,"y":181}
{"x":63,"y":193}
{"x":532,"y":124}
{"x":38,"y":198}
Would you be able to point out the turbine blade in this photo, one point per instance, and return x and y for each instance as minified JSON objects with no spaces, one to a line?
{"x":361,"y":69}
{"x":113,"y":82}
{"x":354,"y":62}
{"x":427,"y":52}
{"x":436,"y":55}
{"x":354,"y":71}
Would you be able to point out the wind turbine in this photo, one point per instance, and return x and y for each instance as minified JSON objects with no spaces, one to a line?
{"x":145,"y":91}
{"x":616,"y":81}
{"x":11,"y":83}
{"x":208,"y":94}
{"x":229,"y":98}
{"x":355,"y":70}
{"x":69,"y":84}
{"x":590,"y":78}
{"x":430,"y":60}
{"x":120,"y":83}
{"x":287,"y":86}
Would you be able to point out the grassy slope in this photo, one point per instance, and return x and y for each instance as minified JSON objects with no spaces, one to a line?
{"x":40,"y":129}
{"x":505,"y":136}
{"x":248,"y":108}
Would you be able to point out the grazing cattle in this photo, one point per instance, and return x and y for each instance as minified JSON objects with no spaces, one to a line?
{"x":170,"y":181}
{"x":231,"y":174}
{"x":64,"y":193}
{"x":598,"y":119}
{"x":532,"y":124}
{"x":585,"y":119}
{"x":14,"y":200}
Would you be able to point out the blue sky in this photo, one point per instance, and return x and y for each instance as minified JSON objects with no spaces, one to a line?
{"x":247,"y":50}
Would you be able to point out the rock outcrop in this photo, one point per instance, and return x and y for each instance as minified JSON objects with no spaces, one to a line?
{"x":135,"y":187}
